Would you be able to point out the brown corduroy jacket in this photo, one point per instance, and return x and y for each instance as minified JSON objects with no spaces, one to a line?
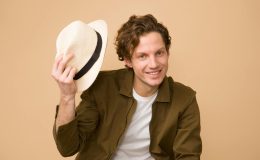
{"x":106,"y":110}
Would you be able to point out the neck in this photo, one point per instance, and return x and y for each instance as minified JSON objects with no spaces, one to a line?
{"x":145,"y":91}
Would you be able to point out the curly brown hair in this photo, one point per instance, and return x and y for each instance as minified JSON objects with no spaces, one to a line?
{"x":129,"y":33}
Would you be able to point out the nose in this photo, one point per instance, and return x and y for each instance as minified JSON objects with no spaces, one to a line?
{"x":153,"y":62}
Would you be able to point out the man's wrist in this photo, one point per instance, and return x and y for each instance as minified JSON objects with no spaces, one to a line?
{"x":67,"y":99}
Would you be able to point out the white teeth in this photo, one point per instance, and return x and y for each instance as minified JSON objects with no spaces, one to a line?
{"x":153,"y":73}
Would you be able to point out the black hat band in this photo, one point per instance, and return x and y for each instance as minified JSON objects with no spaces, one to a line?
{"x":92,"y":60}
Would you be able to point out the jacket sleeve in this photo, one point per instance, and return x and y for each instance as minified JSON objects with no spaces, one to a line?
{"x":188,"y":144}
{"x":71,"y":137}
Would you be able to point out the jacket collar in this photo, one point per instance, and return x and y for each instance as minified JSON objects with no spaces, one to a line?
{"x":126,"y":82}
{"x":126,"y":86}
{"x":164,"y":91}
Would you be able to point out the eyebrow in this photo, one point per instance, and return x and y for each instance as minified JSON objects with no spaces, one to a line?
{"x":160,"y":49}
{"x":163,"y":48}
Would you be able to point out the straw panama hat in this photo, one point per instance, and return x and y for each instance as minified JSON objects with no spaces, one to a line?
{"x":88,"y":44}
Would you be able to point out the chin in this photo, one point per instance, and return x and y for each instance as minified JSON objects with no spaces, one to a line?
{"x":156,"y":83}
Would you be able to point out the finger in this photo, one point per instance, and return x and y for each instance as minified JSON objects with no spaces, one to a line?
{"x":57,"y":61}
{"x":65,"y":74}
{"x":55,"y":66}
{"x":70,"y":54}
{"x":62,"y":64}
{"x":72,"y":73}
{"x":67,"y":57}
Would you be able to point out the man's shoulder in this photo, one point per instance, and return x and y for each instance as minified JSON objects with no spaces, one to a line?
{"x":111,"y":77}
{"x":109,"y":80}
{"x":112,"y":73}
{"x":180,"y":88}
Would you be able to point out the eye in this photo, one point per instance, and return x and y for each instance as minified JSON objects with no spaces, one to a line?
{"x":160,"y":53}
{"x":142,"y":57}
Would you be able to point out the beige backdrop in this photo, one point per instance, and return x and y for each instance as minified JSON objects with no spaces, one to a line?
{"x":215,"y":51}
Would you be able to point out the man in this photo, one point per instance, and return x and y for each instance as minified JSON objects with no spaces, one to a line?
{"x":133,"y":113}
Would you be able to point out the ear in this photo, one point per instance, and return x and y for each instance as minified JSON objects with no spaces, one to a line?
{"x":128,"y":63}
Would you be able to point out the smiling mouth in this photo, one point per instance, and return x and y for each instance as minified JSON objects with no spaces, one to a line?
{"x":154,"y":72}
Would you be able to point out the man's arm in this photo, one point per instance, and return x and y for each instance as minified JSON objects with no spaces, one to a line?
{"x":63,"y":75}
{"x":188,"y":144}
{"x":66,"y":111}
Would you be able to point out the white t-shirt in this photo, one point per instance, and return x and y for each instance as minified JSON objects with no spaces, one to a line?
{"x":135,"y":142}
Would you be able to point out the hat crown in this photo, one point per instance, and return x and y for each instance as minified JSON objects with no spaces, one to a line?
{"x":77,"y":38}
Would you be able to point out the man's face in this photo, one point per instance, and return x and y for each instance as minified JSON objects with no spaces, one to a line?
{"x":149,"y":62}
